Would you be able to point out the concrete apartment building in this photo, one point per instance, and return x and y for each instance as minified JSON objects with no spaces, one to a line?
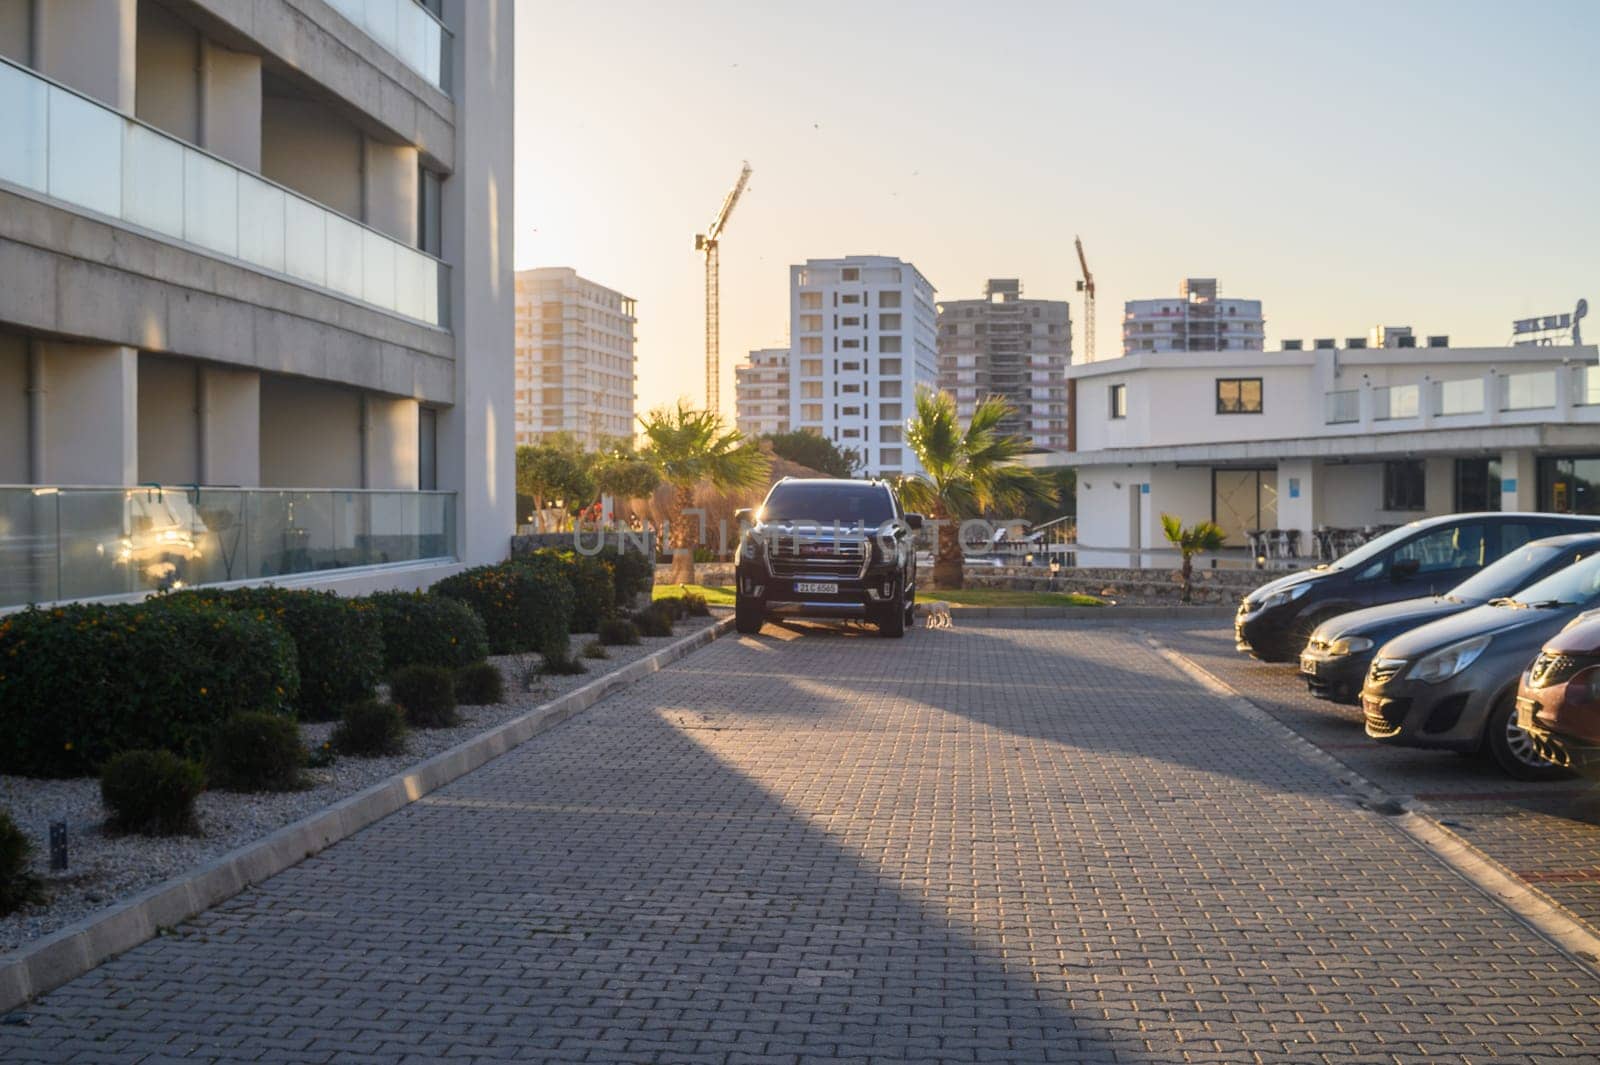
{"x":575,"y":361}
{"x":863,"y":340}
{"x":256,"y":260}
{"x":1012,"y":347}
{"x":761,"y":392}
{"x":1331,"y":437}
{"x":1197,"y":320}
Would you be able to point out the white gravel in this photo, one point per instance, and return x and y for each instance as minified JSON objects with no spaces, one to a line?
{"x":105,"y":869}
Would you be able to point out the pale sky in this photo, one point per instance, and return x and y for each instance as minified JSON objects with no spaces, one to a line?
{"x":1355,"y":163}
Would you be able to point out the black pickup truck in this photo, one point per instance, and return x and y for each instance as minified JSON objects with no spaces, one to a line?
{"x":826,"y":548}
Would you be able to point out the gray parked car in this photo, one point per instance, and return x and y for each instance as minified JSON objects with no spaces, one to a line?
{"x":1452,"y":684}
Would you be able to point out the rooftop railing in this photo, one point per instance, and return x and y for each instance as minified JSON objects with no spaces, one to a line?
{"x":59,"y":143}
{"x":61,"y":543}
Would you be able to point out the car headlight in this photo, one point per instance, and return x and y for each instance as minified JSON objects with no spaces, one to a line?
{"x":1349,"y":645}
{"x":1288,"y":595}
{"x":1446,"y":662}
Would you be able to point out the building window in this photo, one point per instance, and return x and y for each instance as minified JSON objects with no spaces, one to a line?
{"x":889,"y":367}
{"x":430,"y":236}
{"x":889,"y":389}
{"x":1119,"y":401}
{"x":811,"y":323}
{"x":889,"y":298}
{"x":1405,"y":483}
{"x":427,"y":449}
{"x":851,"y":412}
{"x":1238,"y":395}
{"x":889,"y":412}
{"x":1570,"y":485}
{"x":889,"y":345}
{"x":811,"y":412}
{"x":1477,"y":485}
{"x":890,"y":434}
{"x":850,"y":273}
{"x":889,"y":321}
{"x":810,"y":389}
{"x":811,"y":301}
{"x":811,"y":345}
{"x":810,"y":367}
{"x":888,"y":456}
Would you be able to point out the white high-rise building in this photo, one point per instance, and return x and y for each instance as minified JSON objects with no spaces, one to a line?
{"x":863,"y":336}
{"x":575,"y":361}
{"x":1197,"y":320}
{"x":761,"y":388}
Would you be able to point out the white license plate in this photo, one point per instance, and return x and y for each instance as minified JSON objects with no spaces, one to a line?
{"x":815,"y":588}
{"x":1308,"y":665}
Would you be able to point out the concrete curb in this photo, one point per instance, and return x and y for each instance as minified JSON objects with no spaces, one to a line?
{"x":1098,"y":613}
{"x":74,"y":950}
{"x":1539,"y":912}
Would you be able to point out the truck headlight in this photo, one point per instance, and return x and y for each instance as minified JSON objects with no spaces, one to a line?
{"x":1446,"y":662}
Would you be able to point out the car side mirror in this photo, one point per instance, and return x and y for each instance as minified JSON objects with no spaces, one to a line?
{"x":913,"y":521}
{"x":1403,"y":569}
{"x":744,"y":516}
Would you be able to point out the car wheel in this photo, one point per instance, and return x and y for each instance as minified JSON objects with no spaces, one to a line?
{"x":1512,"y":749}
{"x":747,"y":615}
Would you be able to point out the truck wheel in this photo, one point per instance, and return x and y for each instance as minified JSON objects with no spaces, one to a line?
{"x":1512,"y":749}
{"x":892,"y":622}
{"x":747,"y":615}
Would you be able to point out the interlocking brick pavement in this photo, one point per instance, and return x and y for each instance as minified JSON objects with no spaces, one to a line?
{"x":1018,"y":842}
{"x":1546,"y":832}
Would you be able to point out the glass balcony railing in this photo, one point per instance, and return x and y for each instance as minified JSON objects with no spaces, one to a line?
{"x":80,"y":543}
{"x":1529,"y":391}
{"x":1343,"y":407}
{"x":1395,"y":402}
{"x":61,"y":144}
{"x":407,"y":29}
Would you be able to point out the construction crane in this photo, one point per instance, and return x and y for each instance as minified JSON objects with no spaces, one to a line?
{"x":708,"y":244}
{"x":1086,"y":286}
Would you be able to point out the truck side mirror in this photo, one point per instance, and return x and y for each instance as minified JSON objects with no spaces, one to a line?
{"x":744,"y":516}
{"x":913,"y":521}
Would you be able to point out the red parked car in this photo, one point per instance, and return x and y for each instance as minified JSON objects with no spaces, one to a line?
{"x":1558,"y":702}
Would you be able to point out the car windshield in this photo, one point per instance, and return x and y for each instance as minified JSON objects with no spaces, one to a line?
{"x":1577,"y":585}
{"x":825,"y":503}
{"x":1505,"y":576}
{"x":1372,"y":548}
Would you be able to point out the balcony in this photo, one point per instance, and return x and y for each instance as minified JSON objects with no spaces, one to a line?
{"x":408,"y":30}
{"x":1396,"y":402}
{"x":82,"y":543}
{"x":59,"y":144}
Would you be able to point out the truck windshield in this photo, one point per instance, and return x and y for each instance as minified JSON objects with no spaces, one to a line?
{"x":825,"y":503}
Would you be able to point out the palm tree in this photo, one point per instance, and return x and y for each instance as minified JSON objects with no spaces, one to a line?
{"x":692,"y":447}
{"x":1199,"y":538}
{"x":966,"y":473}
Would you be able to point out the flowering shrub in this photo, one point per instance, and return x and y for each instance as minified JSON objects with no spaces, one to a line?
{"x":80,"y":683}
{"x":428,"y":630}
{"x":525,"y":605}
{"x":339,"y":641}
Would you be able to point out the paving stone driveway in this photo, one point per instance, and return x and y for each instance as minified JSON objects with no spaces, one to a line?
{"x":999,"y":843}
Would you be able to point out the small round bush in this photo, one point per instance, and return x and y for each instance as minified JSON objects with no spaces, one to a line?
{"x":618,"y":632}
{"x":695,"y":605}
{"x":151,"y":792}
{"x":258,"y":752}
{"x":673,"y":606}
{"x":595,"y":649}
{"x":19,"y":886}
{"x":562,"y":663}
{"x":370,"y":729}
{"x":427,"y":695}
{"x":653,"y":620}
{"x":428,"y":630}
{"x":480,"y":684}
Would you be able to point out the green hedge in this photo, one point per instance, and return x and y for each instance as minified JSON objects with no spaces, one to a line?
{"x":339,"y":640}
{"x":428,"y":630}
{"x":594,"y":589}
{"x":525,"y":605}
{"x":81,"y":683}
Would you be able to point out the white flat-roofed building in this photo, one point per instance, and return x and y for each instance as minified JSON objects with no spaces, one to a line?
{"x":1197,"y":319}
{"x":575,"y":360}
{"x":863,"y":340}
{"x":1012,"y":347}
{"x":1337,"y":438}
{"x":761,"y":392}
{"x":255,"y":293}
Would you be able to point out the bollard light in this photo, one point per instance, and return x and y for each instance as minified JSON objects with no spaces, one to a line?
{"x":58,"y":846}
